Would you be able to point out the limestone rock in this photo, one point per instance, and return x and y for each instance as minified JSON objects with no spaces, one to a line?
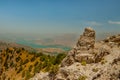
{"x":80,"y":52}
{"x":114,"y":39}
{"x":87,"y":40}
{"x":84,"y":57}
{"x":69,"y":60}
{"x":102,"y":59}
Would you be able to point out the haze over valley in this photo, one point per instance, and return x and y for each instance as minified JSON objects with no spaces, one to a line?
{"x":59,"y":39}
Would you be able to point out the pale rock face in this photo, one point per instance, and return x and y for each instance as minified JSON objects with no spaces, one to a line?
{"x":81,"y":51}
{"x":102,"y":59}
{"x":87,"y":40}
{"x":69,"y":60}
{"x":41,"y":76}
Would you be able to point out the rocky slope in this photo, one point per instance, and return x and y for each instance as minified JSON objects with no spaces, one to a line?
{"x":20,"y":64}
{"x":89,"y":60}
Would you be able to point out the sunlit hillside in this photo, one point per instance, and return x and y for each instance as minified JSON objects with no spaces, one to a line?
{"x":18,"y":63}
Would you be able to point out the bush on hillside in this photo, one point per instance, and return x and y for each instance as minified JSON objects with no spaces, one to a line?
{"x":18,"y":58}
{"x":20,"y":69}
{"x":59,"y":58}
{"x":53,"y":71}
{"x":23,"y":74}
{"x":26,"y":61}
{"x":37,"y":68}
{"x":28,"y":75}
{"x":33,"y":59}
{"x":30,"y":68}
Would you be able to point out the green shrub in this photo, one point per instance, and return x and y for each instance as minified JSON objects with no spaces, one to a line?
{"x":103,"y":61}
{"x":28,"y":75}
{"x":23,"y":74}
{"x":54,"y":69}
{"x":20,"y":69}
{"x":59,"y":58}
{"x":30,"y":68}
{"x":18,"y":58}
{"x":7,"y":57}
{"x":43,"y":58}
{"x":21,"y":62}
{"x":22,"y":49}
{"x":37,"y":68}
{"x":26,"y":61}
{"x":47,"y":66}
{"x":18,"y":51}
{"x":36,"y":63}
{"x":83,"y":63}
{"x":82,"y":78}
{"x":38,"y":54}
{"x":95,"y":69}
{"x":6,"y":64}
{"x":11,"y":64}
{"x":33,"y":59}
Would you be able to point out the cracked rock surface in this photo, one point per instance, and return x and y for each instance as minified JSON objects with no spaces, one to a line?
{"x":90,"y":60}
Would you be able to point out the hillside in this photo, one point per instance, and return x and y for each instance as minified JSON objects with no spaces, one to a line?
{"x":89,"y":60}
{"x":21,"y":64}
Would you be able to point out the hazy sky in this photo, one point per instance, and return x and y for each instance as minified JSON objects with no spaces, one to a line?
{"x":58,"y":16}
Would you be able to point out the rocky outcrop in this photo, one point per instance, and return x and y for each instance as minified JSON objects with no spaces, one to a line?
{"x":82,"y":50}
{"x":87,"y":40}
{"x":113,"y":40}
{"x":90,"y":60}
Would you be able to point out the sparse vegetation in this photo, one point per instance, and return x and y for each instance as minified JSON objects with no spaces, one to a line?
{"x":28,"y":75}
{"x":18,"y":58}
{"x":95,"y":69}
{"x":54,"y":69}
{"x":59,"y":58}
{"x":82,"y":78}
{"x":23,"y":74}
{"x":27,"y":63}
{"x":30,"y":68}
{"x":32,"y":59}
{"x":20,"y":69}
{"x":83,"y":63}
{"x":37,"y":68}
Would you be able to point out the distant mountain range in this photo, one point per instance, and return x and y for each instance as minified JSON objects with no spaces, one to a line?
{"x":4,"y":45}
{"x":62,"y":41}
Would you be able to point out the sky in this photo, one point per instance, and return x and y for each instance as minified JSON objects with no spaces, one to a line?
{"x":58,"y":16}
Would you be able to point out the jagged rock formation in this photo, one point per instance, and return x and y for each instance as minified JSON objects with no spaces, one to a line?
{"x":113,"y":40}
{"x":90,"y":60}
{"x":87,"y":40}
{"x":83,"y":49}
